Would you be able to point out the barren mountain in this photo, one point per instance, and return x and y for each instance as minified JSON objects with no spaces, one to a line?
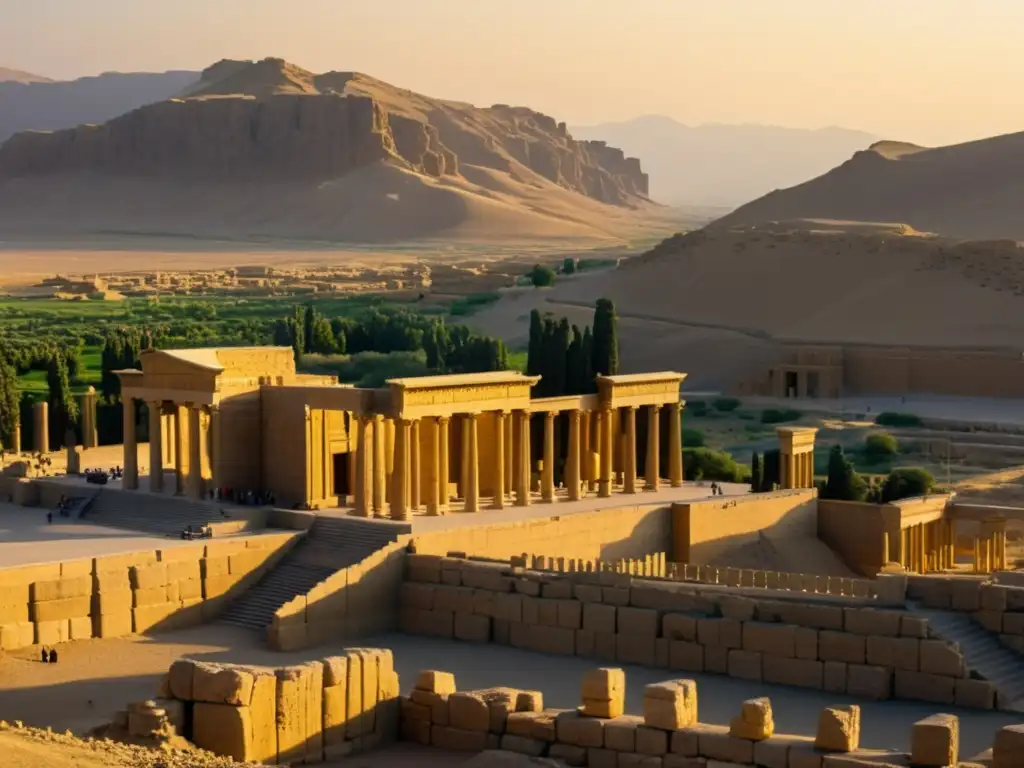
{"x":726,"y":165}
{"x":339,"y":156}
{"x":8,"y":75}
{"x":972,"y":190}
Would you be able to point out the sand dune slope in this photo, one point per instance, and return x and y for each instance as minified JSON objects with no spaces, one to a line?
{"x":972,"y":190}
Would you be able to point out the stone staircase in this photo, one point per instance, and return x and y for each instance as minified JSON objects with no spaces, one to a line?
{"x":983,"y":653}
{"x":333,"y":543}
{"x":150,"y":513}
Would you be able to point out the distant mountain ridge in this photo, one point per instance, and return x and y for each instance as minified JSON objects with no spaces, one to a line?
{"x":723,"y":164}
{"x":973,"y":190}
{"x":8,"y":75}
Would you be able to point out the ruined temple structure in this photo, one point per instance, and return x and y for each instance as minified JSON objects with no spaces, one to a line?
{"x":243,"y":418}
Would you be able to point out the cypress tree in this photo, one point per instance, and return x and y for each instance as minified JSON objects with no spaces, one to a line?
{"x":770,"y":469}
{"x":63,"y":408}
{"x":589,"y":383}
{"x":535,"y":350}
{"x":309,"y":317}
{"x":606,"y":342}
{"x":755,"y":473}
{"x":843,"y":483}
{"x":299,"y":332}
{"x":561,"y":340}
{"x":10,"y":403}
{"x":576,"y":383}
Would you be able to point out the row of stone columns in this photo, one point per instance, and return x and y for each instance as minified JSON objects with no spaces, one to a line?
{"x":797,"y":469}
{"x":512,"y":465}
{"x":41,"y":424}
{"x":924,"y":547}
{"x":990,"y":546}
{"x":194,"y":429}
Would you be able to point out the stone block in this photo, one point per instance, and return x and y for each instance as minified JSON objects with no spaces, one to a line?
{"x":895,"y":652}
{"x":770,"y":639}
{"x":585,"y":643}
{"x":976,"y":694}
{"x":745,"y":665}
{"x":418,"y":596}
{"x":12,"y":614}
{"x":661,"y":652}
{"x":1013,"y":623}
{"x":411,"y":729}
{"x":508,"y":607}
{"x":587,"y":593}
{"x":715,"y":743}
{"x":523,"y":745}
{"x":221,"y":684}
{"x":570,"y":614}
{"x":935,"y":741}
{"x":1008,"y":747}
{"x":606,"y":684}
{"x":569,"y":754}
{"x":558,"y":589}
{"x":14,"y":594}
{"x":599,"y":618}
{"x":431,"y":680}
{"x":965,"y":595}
{"x":774,"y":752}
{"x":670,"y":705}
{"x":635,"y":649}
{"x":637,"y":621}
{"x":184,"y":570}
{"x":620,"y":733}
{"x":834,"y":676}
{"x":483,"y":602}
{"x":80,"y":628}
{"x":64,"y":608}
{"x":555,"y":640}
{"x":149,"y":576}
{"x":458,"y":740}
{"x":940,"y":658}
{"x":17,"y":635}
{"x":472,"y":628}
{"x":290,"y":703}
{"x":679,"y":626}
{"x":579,"y":730}
{"x":869,"y":621}
{"x":52,"y":632}
{"x":431,"y":623}
{"x":547,"y":612}
{"x":802,"y":673}
{"x":841,"y":646}
{"x":144,"y":597}
{"x":61,"y":589}
{"x":423,"y":568}
{"x":113,"y":624}
{"x":816,"y":616}
{"x":602,"y":758}
{"x":806,"y":643}
{"x":604,"y":647}
{"x":223,"y":729}
{"x":615,"y":595}
{"x":990,"y":620}
{"x":435,"y":702}
{"x":716,"y":660}
{"x":686,"y":656}
{"x":913,"y":626}
{"x":838,"y":729}
{"x":263,"y":715}
{"x":147,"y":617}
{"x":755,"y":721}
{"x":993,"y":597}
{"x":651,"y":741}
{"x":869,"y":682}
{"x":738,"y":608}
{"x":468,"y":711}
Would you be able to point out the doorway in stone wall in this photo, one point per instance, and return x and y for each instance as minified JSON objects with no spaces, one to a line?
{"x":341,"y":483}
{"x":792,"y":383}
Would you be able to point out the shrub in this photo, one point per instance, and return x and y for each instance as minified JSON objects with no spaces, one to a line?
{"x":541,"y":276}
{"x":568,"y":265}
{"x":706,"y":464}
{"x":905,"y":483}
{"x":726,"y":404}
{"x":779,"y":415}
{"x":693,"y":438}
{"x":697,"y":408}
{"x":893,"y":419}
{"x":880,"y":445}
{"x":469,"y":304}
{"x":843,"y":483}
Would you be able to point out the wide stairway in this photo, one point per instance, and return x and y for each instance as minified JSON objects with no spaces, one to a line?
{"x":333,"y":543}
{"x":983,"y":653}
{"x":151,"y":513}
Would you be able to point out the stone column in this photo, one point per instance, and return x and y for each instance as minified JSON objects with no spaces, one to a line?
{"x":195,"y":452}
{"x":180,"y":450}
{"x":586,"y":450}
{"x":675,"y":445}
{"x":364,"y":466}
{"x":573,"y":478}
{"x":430,"y":466}
{"x":41,"y":426}
{"x":380,"y":466}
{"x":498,"y":502}
{"x":131,"y":448}
{"x":415,"y":465}
{"x":400,"y":475}
{"x":443,"y":466}
{"x":547,"y":478}
{"x":885,"y":548}
{"x":629,"y":465}
{"x":604,"y":482}
{"x":522,"y":481}
{"x":651,"y":470}
{"x":464,"y":420}
{"x":509,"y":453}
{"x":156,"y":447}
{"x":216,"y":447}
{"x":473,"y":475}
{"x":87,"y":406}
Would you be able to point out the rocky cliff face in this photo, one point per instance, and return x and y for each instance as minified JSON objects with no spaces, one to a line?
{"x":271,"y":118}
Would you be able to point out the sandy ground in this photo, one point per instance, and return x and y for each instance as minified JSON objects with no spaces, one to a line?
{"x":95,"y":678}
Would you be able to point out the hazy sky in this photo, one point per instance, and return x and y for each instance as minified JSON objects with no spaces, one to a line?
{"x":930,"y":71}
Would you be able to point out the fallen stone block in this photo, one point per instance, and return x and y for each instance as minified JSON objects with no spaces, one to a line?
{"x":755,"y":721}
{"x":1008,"y":747}
{"x":670,"y":705}
{"x":838,"y":729}
{"x":431,"y":680}
{"x":935,"y":741}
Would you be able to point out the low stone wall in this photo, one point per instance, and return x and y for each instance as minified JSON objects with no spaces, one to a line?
{"x":667,"y":735}
{"x":809,"y":642}
{"x":746,"y":578}
{"x":999,"y":608}
{"x":117,"y":595}
{"x":307,"y":713}
{"x":355,"y":601}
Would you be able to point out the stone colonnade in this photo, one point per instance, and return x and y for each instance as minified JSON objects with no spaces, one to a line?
{"x":41,"y":424}
{"x":796,"y":456}
{"x":990,"y":546}
{"x":923,"y":547}
{"x":191,"y":437}
{"x":412,"y":472}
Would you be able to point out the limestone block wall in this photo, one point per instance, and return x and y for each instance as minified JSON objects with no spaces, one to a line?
{"x":606,"y":534}
{"x":131,"y":593}
{"x":856,"y":531}
{"x":668,"y":733}
{"x":840,"y":646}
{"x":997,"y":607}
{"x":320,"y":710}
{"x":352,"y":602}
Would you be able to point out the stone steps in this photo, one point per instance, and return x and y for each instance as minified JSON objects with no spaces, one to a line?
{"x":162,"y":515}
{"x":983,"y":653}
{"x":333,"y":543}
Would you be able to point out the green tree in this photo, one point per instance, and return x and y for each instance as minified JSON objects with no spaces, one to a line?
{"x":843,"y":483}
{"x":568,"y":265}
{"x":770,"y":468}
{"x":575,"y":367}
{"x":62,"y":405}
{"x":321,"y":339}
{"x":541,"y":276}
{"x":880,"y":446}
{"x":756,"y":478}
{"x":588,"y":361}
{"x":606,"y":342}
{"x":535,"y":350}
{"x":906,"y":483}
{"x":9,"y":404}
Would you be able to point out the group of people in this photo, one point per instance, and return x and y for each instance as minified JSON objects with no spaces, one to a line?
{"x":716,"y":490}
{"x":242,"y":498}
{"x":197,"y":532}
{"x":48,"y":656}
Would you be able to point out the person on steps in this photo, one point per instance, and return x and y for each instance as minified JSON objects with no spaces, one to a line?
{"x":45,"y":655}
{"x":53,"y":655}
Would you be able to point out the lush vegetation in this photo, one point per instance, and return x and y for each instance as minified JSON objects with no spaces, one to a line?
{"x":880,"y":446}
{"x":844,"y":483}
{"x":542,"y":277}
{"x":568,"y":359}
{"x":706,"y":464}
{"x":726,"y":404}
{"x":893,"y":419}
{"x":779,"y":415}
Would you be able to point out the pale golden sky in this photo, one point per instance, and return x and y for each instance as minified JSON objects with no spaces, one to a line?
{"x":928,"y":71}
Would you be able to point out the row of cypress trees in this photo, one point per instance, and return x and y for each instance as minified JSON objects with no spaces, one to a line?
{"x":568,"y":359}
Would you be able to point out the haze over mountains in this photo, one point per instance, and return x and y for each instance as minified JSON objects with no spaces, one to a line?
{"x":726,"y":165}
{"x":972,"y":191}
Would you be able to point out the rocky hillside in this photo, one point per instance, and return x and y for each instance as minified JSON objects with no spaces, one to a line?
{"x":8,"y":75}
{"x":245,"y":120}
{"x":973,"y":190}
